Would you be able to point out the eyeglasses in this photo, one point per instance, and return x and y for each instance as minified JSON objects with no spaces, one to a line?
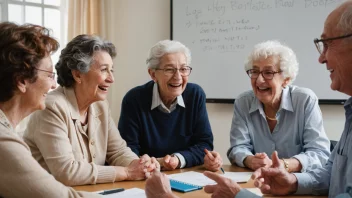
{"x":170,"y":71}
{"x":267,"y":74}
{"x":321,"y":44}
{"x":52,"y":73}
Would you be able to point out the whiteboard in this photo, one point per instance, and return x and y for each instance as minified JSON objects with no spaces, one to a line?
{"x":221,"y":34}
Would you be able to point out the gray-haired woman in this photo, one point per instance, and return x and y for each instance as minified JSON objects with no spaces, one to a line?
{"x":75,"y":135}
{"x":275,"y":115}
{"x":167,"y":117}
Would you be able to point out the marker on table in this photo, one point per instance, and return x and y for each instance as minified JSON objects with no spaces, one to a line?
{"x":212,"y":158}
{"x":108,"y":192}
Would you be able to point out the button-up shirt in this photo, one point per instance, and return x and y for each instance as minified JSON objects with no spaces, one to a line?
{"x":336,"y":176}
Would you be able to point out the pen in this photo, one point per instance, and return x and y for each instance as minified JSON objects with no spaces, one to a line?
{"x":212,"y":158}
{"x":107,"y":192}
{"x":222,"y":170}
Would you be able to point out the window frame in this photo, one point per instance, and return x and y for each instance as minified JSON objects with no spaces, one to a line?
{"x":62,"y":9}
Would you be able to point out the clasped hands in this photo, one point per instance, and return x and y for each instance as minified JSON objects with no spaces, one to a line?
{"x":212,"y":161}
{"x":257,"y":161}
{"x":141,"y":168}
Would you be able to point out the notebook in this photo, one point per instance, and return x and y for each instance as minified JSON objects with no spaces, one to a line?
{"x":183,"y":187}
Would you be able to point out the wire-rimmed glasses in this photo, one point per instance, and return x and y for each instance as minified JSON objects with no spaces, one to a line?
{"x":267,"y":74}
{"x":170,"y":71}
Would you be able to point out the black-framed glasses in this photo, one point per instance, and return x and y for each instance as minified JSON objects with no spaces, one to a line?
{"x":321,"y":45}
{"x":170,"y":71}
{"x":52,"y":73}
{"x":267,"y":74}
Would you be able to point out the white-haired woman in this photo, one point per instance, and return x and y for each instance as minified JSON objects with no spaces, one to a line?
{"x":276,"y":115}
{"x":167,"y":117}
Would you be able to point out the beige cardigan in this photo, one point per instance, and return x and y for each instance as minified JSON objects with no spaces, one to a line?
{"x":58,"y":145}
{"x":20,"y":175}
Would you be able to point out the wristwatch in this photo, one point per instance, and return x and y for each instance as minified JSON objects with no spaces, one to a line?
{"x":286,"y":164}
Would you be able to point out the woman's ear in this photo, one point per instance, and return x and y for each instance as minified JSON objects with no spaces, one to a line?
{"x":286,"y":82}
{"x":152,"y":74}
{"x":22,"y":85}
{"x":77,"y":76}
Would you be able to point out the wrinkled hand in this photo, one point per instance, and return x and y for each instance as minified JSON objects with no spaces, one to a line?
{"x":257,"y":161}
{"x":169,"y":162}
{"x":225,"y":187}
{"x":158,"y":185}
{"x":212,"y":160}
{"x":275,"y":180}
{"x":150,"y":164}
{"x":141,"y":168}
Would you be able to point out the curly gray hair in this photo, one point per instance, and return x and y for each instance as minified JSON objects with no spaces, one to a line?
{"x":288,"y":60}
{"x":78,"y":55}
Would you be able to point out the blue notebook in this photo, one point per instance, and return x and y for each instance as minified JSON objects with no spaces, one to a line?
{"x":183,"y":187}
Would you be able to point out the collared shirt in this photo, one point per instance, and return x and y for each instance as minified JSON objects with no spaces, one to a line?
{"x":157,"y":102}
{"x":299,"y":131}
{"x":336,"y":176}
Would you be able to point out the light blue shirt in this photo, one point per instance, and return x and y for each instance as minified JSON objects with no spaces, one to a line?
{"x":336,"y":176}
{"x":299,"y":132}
{"x":158,"y":103}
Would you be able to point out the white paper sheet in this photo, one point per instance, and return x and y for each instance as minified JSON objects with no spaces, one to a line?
{"x":238,"y":176}
{"x":199,"y":179}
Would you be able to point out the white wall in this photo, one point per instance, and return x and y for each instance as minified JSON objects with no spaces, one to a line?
{"x":135,"y":27}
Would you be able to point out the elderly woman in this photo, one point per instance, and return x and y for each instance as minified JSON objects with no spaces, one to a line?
{"x":75,"y":135}
{"x":26,"y":77}
{"x":276,"y":115}
{"x":167,"y":117}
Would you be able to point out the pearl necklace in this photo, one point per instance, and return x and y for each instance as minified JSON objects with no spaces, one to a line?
{"x":273,"y":119}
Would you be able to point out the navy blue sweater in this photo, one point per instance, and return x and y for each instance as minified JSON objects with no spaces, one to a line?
{"x":185,"y":130}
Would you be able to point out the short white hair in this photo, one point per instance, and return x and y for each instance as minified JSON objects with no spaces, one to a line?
{"x":287,"y":58}
{"x":166,"y":47}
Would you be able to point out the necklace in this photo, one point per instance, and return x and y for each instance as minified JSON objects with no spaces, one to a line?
{"x":273,"y":119}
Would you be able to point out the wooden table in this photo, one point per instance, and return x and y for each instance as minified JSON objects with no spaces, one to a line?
{"x":198,"y":193}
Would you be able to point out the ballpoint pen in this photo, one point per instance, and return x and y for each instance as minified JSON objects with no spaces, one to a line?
{"x":107,"y":192}
{"x":222,"y":170}
{"x":212,"y":157}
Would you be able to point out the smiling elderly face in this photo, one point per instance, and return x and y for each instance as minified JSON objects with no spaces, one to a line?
{"x":337,"y":54}
{"x":36,"y":92}
{"x":170,"y":86}
{"x":268,"y":91}
{"x":97,"y":81}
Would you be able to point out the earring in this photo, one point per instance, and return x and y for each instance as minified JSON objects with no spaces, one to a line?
{"x":79,"y":81}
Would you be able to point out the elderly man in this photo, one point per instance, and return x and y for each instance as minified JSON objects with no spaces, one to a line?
{"x":335,"y":178}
